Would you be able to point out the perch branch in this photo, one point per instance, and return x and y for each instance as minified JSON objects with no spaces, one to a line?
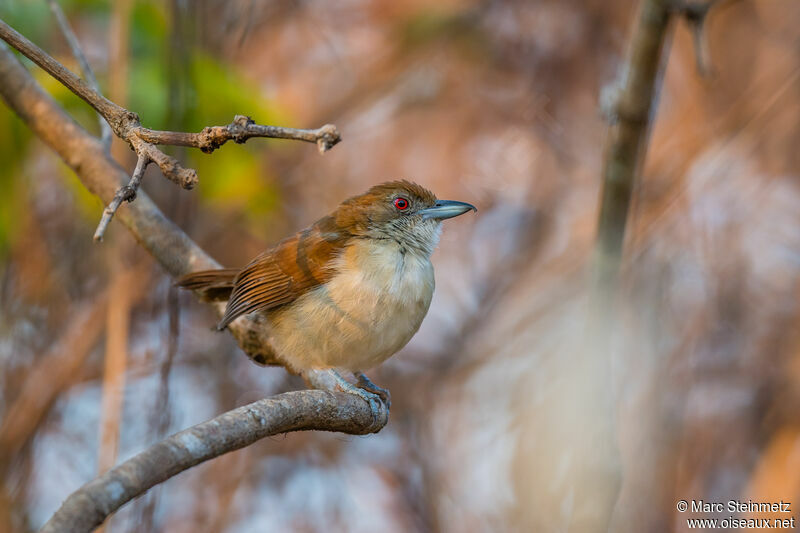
{"x":144,"y":141}
{"x":89,"y":506}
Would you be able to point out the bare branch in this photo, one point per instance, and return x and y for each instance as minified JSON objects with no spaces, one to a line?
{"x":74,"y":45}
{"x":170,"y":167}
{"x":632,"y":104}
{"x":123,"y":194}
{"x":143,"y":141}
{"x":89,"y":506}
{"x":241,"y":129}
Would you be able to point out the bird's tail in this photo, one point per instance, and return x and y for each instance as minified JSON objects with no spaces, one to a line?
{"x":211,"y":284}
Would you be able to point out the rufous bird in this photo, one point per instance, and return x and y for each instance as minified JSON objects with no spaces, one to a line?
{"x":347,"y":292}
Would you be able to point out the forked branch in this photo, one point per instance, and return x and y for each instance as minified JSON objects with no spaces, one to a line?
{"x":123,"y":194}
{"x":127,"y":126}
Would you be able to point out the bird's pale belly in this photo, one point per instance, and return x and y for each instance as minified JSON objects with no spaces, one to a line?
{"x":361,"y":316}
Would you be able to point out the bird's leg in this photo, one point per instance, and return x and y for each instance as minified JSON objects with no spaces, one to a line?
{"x":375,"y":400}
{"x":365,"y":383}
{"x":331,"y":380}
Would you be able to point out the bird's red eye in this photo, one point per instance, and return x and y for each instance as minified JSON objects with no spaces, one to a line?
{"x":401,"y":203}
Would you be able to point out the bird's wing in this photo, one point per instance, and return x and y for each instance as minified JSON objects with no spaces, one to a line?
{"x":282,"y":274}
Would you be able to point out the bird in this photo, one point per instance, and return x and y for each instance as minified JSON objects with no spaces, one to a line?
{"x":347,"y":292}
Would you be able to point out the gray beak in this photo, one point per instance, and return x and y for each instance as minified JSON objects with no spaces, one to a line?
{"x":443,"y":209}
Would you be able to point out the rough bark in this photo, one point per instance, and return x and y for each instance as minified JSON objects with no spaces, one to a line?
{"x":88,"y":507}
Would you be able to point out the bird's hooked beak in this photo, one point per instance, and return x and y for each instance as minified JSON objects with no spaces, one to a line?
{"x":443,"y":209}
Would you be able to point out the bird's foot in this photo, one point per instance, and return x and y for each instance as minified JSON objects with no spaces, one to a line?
{"x":331,"y":380}
{"x":365,"y":383}
{"x":379,"y":408}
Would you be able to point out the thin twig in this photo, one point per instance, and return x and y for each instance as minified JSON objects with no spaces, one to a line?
{"x":695,"y":14}
{"x":86,"y":69}
{"x":630,"y":110}
{"x":126,"y":125}
{"x":241,"y":129}
{"x":126,"y":193}
{"x":89,"y":506}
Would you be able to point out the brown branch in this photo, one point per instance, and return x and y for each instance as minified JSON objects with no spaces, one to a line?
{"x":89,"y":506}
{"x":75,"y":47}
{"x":630,"y":113}
{"x":123,"y":194}
{"x":143,"y":141}
{"x":630,"y":109}
{"x":241,"y":129}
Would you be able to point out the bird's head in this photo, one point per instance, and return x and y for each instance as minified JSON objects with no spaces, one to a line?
{"x":400,"y":210}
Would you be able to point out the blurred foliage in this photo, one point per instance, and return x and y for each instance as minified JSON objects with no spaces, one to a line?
{"x":235,"y":176}
{"x":26,"y":17}
{"x":14,"y":139}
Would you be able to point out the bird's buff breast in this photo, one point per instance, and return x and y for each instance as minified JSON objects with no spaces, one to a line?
{"x":364,"y":314}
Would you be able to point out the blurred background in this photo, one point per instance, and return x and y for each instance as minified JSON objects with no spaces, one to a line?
{"x":491,"y":102}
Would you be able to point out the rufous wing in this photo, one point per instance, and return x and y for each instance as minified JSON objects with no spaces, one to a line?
{"x":284,"y":273}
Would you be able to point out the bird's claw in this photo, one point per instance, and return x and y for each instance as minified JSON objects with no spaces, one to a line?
{"x":365,"y":383}
{"x":377,"y":404}
{"x":377,"y":398}
{"x":380,"y":411}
